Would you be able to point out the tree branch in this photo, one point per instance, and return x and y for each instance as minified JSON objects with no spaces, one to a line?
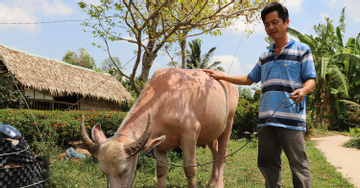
{"x":108,"y":51}
{"x":193,"y":35}
{"x":119,"y":38}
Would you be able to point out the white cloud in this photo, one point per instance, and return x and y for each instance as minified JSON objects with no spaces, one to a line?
{"x":324,"y":15}
{"x":56,"y":8}
{"x":94,"y":2}
{"x":156,"y":65}
{"x":17,"y":15}
{"x":352,"y":7}
{"x":232,"y":65}
{"x":19,"y":11}
{"x":294,"y":6}
{"x":240,"y":26}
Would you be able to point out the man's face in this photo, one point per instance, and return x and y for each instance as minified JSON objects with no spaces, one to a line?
{"x":274,"y":25}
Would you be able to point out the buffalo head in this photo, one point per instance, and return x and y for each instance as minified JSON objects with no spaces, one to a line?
{"x":118,"y":155}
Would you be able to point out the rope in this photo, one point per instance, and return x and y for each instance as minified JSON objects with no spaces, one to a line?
{"x":237,"y":48}
{"x":198,"y":165}
{"x":27,"y":105}
{"x":255,"y":135}
{"x":36,"y":183}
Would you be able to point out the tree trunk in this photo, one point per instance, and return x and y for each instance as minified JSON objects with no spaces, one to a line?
{"x":147,"y":61}
{"x":183,"y":53}
{"x":149,"y":55}
{"x":323,"y":99}
{"x":183,"y":49}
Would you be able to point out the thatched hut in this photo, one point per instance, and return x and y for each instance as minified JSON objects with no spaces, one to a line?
{"x":52,"y":84}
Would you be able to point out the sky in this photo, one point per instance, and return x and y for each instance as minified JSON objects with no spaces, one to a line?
{"x":237,"y":51}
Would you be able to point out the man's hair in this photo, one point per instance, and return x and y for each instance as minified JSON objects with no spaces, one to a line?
{"x":275,"y":6}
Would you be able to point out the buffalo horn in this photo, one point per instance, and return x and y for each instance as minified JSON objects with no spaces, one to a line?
{"x":89,"y":144}
{"x":136,"y":146}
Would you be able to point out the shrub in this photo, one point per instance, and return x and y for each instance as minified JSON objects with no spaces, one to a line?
{"x":246,"y":115}
{"x":354,"y":142}
{"x":10,"y":96}
{"x":64,"y":127}
{"x":310,"y":119}
{"x":353,"y":118}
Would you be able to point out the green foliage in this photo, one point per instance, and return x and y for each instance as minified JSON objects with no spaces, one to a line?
{"x":354,"y":117}
{"x":109,"y":67}
{"x":82,"y":59}
{"x":48,"y":151}
{"x":162,"y":24}
{"x":131,"y":89}
{"x":9,"y":95}
{"x":354,"y":142}
{"x":355,"y":132}
{"x":247,"y":112}
{"x":63,"y":127}
{"x":309,"y":125}
{"x":338,"y":73}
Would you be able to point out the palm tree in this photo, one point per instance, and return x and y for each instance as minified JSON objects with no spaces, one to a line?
{"x":82,"y":59}
{"x":337,"y":71}
{"x":197,"y":61}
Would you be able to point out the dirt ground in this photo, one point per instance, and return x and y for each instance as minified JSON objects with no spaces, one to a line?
{"x":346,"y":160}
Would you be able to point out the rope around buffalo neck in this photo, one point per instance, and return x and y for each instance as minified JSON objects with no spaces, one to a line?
{"x":251,"y":138}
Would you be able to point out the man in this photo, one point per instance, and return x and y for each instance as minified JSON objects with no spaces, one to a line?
{"x":285,"y":69}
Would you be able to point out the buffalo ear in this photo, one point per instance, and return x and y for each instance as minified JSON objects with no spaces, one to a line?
{"x":97,"y":134}
{"x":151,"y":143}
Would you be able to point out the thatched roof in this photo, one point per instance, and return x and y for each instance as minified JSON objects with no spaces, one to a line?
{"x":59,"y":78}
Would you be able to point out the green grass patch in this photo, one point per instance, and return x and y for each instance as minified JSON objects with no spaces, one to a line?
{"x":354,"y":142}
{"x":241,"y":170}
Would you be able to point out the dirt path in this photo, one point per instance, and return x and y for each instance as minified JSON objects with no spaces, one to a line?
{"x":346,"y":160}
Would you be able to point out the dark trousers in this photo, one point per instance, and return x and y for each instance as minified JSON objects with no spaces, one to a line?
{"x":272,"y":140}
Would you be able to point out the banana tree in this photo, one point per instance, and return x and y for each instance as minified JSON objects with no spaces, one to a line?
{"x":338,"y":72}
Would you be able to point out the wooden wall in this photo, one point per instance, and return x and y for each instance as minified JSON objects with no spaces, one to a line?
{"x":92,"y":104}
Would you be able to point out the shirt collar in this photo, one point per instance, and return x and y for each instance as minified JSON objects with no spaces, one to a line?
{"x":292,"y":41}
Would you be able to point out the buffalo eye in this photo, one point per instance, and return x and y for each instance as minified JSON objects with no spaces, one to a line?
{"x":125,"y":170}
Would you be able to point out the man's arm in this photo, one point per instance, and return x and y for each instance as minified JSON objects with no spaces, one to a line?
{"x":238,"y":80}
{"x":307,"y":87}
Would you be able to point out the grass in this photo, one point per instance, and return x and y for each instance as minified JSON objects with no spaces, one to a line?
{"x":241,"y":170}
{"x":354,"y":142}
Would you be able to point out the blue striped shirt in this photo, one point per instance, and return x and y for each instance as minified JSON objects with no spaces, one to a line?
{"x":279,"y":77}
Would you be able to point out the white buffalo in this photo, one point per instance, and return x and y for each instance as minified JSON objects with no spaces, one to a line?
{"x":178,"y":107}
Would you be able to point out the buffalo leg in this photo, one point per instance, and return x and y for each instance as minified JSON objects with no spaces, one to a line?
{"x":214,"y":173}
{"x":189,"y":155}
{"x":222,"y":152}
{"x":161,"y":168}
